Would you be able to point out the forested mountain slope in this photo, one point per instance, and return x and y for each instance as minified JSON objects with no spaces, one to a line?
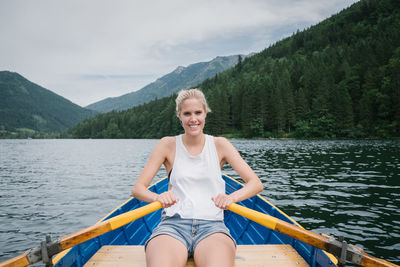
{"x":27,"y":106}
{"x":180,"y":78}
{"x":339,"y":78}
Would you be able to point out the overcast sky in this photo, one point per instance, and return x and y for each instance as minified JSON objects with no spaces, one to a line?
{"x":87,"y":50}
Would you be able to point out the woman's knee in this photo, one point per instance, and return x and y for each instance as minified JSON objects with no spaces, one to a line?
{"x":215,"y":250}
{"x":164,"y":250}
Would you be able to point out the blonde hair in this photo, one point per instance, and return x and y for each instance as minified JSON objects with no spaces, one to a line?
{"x":191,"y":93}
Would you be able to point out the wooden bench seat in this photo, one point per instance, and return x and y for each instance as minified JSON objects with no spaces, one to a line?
{"x":246,"y":255}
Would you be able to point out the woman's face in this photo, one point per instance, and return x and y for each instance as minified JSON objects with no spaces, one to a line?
{"x":192,"y":116}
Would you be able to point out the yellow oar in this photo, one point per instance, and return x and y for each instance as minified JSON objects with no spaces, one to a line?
{"x":329,"y":244}
{"x":35,"y":254}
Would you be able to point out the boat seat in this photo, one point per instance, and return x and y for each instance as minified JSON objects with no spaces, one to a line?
{"x":246,"y":255}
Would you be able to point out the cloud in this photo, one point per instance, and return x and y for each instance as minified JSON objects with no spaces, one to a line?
{"x":59,"y":44}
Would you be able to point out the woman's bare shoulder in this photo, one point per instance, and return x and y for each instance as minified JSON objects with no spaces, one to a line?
{"x":221,"y":142}
{"x":167,"y":141}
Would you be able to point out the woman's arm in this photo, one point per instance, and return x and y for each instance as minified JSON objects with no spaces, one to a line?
{"x":228,"y":153}
{"x":158,"y":157}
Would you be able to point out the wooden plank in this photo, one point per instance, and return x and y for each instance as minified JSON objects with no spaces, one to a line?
{"x":122,"y":256}
{"x":246,"y":255}
{"x":268,"y":255}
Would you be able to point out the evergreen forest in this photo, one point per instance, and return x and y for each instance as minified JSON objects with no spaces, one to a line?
{"x":337,"y":79}
{"x":29,"y":110}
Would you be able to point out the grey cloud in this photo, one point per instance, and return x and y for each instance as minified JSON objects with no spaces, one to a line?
{"x":86,"y":50}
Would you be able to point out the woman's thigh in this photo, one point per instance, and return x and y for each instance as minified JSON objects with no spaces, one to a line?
{"x":164,"y":250}
{"x":215,"y":250}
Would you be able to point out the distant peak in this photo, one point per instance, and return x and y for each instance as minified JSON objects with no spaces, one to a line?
{"x":179,"y":69}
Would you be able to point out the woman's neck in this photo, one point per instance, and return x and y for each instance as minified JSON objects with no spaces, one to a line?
{"x":193,"y":141}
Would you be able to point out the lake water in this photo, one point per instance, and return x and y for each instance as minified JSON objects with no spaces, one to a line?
{"x":56,"y":187}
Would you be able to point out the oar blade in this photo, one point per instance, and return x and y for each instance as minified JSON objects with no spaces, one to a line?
{"x":326,"y":243}
{"x":19,"y":261}
{"x":81,"y":236}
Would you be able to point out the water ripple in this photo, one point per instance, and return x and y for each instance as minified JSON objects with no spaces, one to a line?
{"x":56,"y":187}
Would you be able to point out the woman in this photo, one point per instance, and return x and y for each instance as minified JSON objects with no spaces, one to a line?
{"x":192,"y":222}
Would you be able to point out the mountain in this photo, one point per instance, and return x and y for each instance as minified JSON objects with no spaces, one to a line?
{"x":180,"y":78}
{"x":337,"y":79}
{"x":25,"y":105}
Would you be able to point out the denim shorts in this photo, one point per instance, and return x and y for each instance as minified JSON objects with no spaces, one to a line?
{"x":189,"y":231}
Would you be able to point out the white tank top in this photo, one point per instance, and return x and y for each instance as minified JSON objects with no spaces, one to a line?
{"x":195,"y":180}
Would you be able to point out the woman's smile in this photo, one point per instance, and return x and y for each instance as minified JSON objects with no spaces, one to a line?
{"x":192,"y":116}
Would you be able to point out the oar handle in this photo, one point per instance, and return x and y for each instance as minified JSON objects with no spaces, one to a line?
{"x":34,"y":255}
{"x":107,"y":226}
{"x":329,"y":244}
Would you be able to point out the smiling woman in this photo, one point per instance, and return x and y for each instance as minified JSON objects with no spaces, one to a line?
{"x":193,"y":218}
{"x":191,"y":109}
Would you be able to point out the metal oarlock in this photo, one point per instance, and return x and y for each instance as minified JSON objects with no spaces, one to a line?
{"x":45,"y":253}
{"x":343,"y":253}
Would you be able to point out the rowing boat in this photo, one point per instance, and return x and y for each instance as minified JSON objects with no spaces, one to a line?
{"x":265,"y":236}
{"x":247,"y":233}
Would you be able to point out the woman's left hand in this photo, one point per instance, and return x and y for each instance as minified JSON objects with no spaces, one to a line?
{"x":222,"y":201}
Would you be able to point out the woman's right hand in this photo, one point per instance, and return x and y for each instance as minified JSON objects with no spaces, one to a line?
{"x":167,"y":199}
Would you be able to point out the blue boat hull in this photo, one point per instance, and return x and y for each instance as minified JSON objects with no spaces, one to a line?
{"x":245,"y":232}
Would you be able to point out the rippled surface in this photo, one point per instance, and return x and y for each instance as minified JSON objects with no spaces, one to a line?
{"x":56,"y":187}
{"x":349,"y":188}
